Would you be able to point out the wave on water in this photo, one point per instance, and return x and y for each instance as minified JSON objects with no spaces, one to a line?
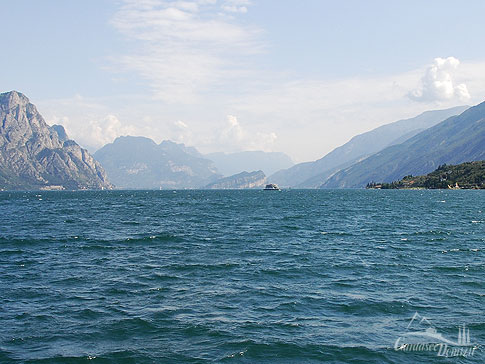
{"x":237,"y":276}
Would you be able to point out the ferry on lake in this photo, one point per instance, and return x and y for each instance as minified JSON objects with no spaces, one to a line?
{"x":272,"y":187}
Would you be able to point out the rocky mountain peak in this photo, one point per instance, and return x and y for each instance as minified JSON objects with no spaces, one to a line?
{"x":13,"y":98}
{"x":33,"y":155}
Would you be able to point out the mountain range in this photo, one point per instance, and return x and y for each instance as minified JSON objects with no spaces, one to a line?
{"x":455,"y":140}
{"x":140,"y":163}
{"x":36,"y":156}
{"x":312,"y":174}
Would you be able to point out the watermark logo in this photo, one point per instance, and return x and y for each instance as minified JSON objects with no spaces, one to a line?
{"x":421,"y":335}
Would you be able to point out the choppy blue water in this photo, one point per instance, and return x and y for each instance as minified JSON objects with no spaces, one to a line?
{"x":238,"y":276}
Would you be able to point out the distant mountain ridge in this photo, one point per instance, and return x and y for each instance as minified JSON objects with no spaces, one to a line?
{"x":231,"y":163}
{"x":312,"y":174}
{"x":139,"y":163}
{"x":243,"y":180}
{"x":36,"y":156}
{"x":455,"y":140}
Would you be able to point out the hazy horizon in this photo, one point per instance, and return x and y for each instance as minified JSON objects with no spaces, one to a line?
{"x":235,"y":75}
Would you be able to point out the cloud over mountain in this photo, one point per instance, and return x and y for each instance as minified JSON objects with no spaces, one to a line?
{"x":235,"y":138}
{"x":438,"y":83}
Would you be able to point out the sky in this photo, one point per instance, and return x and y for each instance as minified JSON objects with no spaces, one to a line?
{"x":300,"y":77}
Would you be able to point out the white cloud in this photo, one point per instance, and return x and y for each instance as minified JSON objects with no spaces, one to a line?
{"x":181,"y":133}
{"x":236,"y":6}
{"x":234,"y":137}
{"x":88,"y":122}
{"x":313,"y":116}
{"x":438,"y":83}
{"x":106,"y":130}
{"x":185,"y":47}
{"x":309,"y":116}
{"x":180,"y":124}
{"x":94,"y":133}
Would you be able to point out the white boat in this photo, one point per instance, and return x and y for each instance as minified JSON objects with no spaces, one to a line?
{"x":272,"y":187}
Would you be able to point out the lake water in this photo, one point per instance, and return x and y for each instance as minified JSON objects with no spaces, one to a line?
{"x":298,"y":276}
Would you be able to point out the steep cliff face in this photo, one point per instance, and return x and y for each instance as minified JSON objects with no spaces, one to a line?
{"x":34,"y":155}
{"x":243,"y":180}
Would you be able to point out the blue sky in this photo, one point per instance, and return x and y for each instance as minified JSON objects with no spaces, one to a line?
{"x":300,"y":77}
